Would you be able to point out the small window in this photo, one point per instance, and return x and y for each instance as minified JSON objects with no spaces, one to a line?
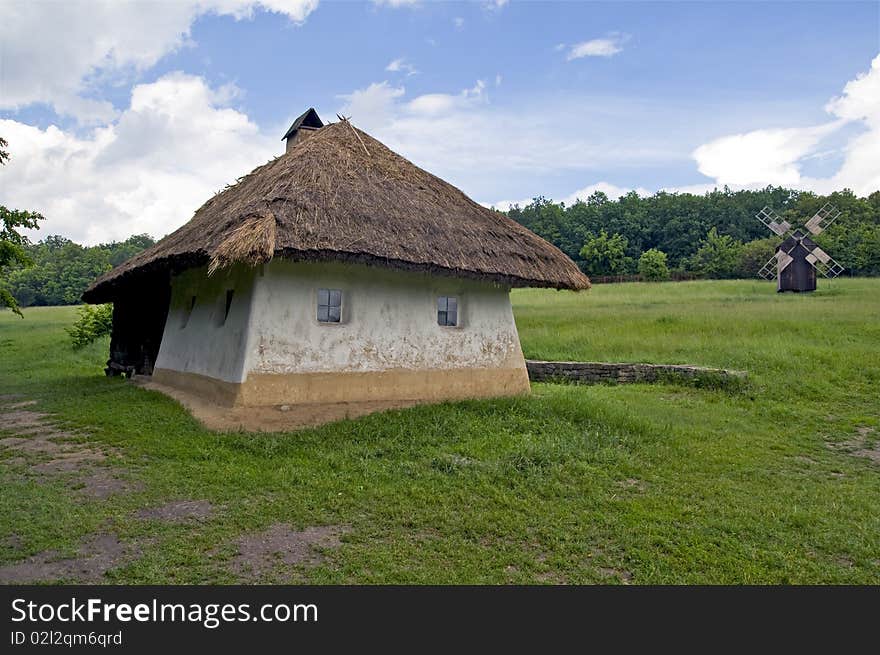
{"x":447,"y":311}
{"x":188,"y":312}
{"x":329,"y":305}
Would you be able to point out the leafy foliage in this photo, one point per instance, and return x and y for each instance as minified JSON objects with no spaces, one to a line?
{"x":92,"y":323}
{"x":718,"y":256}
{"x":604,"y":255}
{"x":652,"y":265}
{"x":12,"y":243}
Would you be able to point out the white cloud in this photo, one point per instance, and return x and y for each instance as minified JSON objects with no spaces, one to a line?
{"x":861,"y":97}
{"x":401,"y":65}
{"x":498,"y":79}
{"x":775,"y":156}
{"x":605,"y":47}
{"x":433,"y":104}
{"x":458,"y":21}
{"x":53,"y":51}
{"x":371,"y":107}
{"x":761,"y":156}
{"x":496,"y":5}
{"x":148,"y":171}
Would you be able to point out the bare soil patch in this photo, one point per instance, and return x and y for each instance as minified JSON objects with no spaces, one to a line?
{"x":551,"y":577}
{"x":69,"y":461}
{"x":625,"y":577}
{"x":260,"y":553}
{"x":633,"y":483}
{"x":13,"y":542}
{"x":23,"y":418}
{"x":101,"y":483}
{"x":178,"y":511}
{"x":97,"y":555}
{"x":859,"y":446}
{"x":25,"y":403}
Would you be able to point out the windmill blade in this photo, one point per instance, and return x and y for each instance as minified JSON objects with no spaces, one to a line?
{"x":822,"y":218}
{"x":768,"y":270}
{"x":777,"y":263}
{"x":772,"y":220}
{"x":783,"y":259}
{"x":823,"y":262}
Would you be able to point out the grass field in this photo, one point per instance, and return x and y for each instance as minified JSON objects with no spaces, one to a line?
{"x":774,"y":483}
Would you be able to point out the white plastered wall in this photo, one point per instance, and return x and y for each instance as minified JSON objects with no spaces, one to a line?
{"x":389,"y":322}
{"x":203,"y":343}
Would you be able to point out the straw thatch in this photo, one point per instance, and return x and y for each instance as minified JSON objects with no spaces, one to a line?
{"x":342,"y":195}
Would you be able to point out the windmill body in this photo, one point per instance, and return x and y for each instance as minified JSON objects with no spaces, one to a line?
{"x":798,"y":258}
{"x":799,"y":275}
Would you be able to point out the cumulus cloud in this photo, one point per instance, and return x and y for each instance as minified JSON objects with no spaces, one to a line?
{"x":54,"y":52}
{"x":435,"y":104}
{"x":761,"y":156}
{"x":371,"y":107}
{"x":175,"y":145}
{"x":604,"y":47}
{"x":775,"y":156}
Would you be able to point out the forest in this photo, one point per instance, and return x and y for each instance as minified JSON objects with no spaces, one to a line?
{"x":715,"y":235}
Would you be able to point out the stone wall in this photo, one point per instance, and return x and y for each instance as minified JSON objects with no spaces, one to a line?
{"x":599,"y":372}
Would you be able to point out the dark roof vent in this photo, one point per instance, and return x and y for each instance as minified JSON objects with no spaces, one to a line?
{"x":309,"y":120}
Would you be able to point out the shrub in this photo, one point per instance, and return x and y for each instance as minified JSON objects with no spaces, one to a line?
{"x":604,"y":255}
{"x":754,"y":255}
{"x":652,"y":265}
{"x":94,"y":322}
{"x":718,"y":256}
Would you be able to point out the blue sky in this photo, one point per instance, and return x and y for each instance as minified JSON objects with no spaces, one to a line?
{"x":485,"y":94}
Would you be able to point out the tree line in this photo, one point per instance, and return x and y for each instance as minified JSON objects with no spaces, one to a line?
{"x":59,"y":270}
{"x":715,"y":235}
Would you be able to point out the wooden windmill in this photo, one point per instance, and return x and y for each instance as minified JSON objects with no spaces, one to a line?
{"x":798,"y":257}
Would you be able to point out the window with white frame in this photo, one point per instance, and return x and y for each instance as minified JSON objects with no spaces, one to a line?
{"x":447,"y":311}
{"x":329,"y":305}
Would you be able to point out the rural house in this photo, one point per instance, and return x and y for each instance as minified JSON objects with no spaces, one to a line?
{"x":337,"y":272}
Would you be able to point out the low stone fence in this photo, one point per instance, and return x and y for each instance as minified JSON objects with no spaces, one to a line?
{"x":599,"y":372}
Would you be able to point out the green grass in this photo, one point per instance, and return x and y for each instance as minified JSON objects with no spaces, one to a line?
{"x":725,"y":486}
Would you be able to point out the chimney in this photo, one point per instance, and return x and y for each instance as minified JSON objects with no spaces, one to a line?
{"x":302,"y":128}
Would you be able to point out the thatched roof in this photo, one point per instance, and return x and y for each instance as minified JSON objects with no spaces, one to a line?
{"x":342,"y":195}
